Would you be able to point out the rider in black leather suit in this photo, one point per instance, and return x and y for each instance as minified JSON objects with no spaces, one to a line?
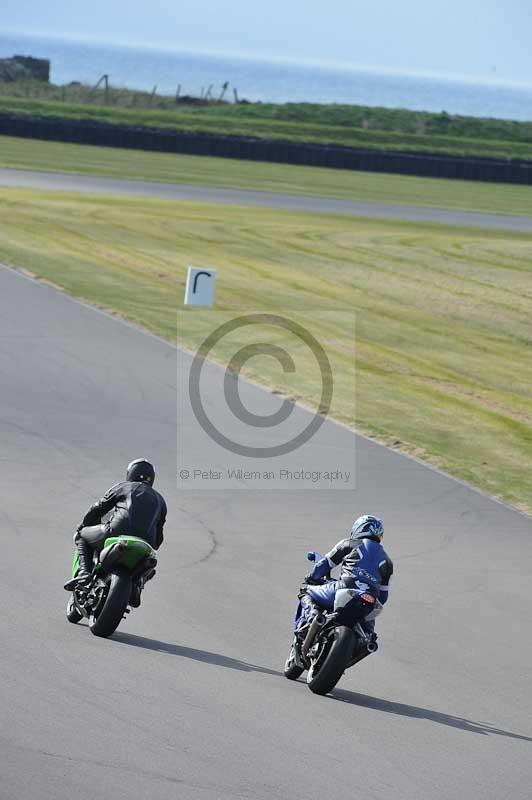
{"x":137,"y":510}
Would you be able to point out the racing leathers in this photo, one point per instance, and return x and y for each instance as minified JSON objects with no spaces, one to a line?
{"x":137,"y":510}
{"x":361,"y":559}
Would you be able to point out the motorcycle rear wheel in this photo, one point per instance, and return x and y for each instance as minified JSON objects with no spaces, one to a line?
{"x":114,"y":607}
{"x":323,"y":679}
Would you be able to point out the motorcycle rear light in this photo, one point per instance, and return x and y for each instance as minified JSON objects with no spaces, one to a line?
{"x":367,"y":598}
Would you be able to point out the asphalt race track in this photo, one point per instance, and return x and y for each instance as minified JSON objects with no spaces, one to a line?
{"x":208,"y":194}
{"x":187,"y":700}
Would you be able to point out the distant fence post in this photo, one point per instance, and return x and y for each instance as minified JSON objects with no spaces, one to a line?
{"x":105,"y":80}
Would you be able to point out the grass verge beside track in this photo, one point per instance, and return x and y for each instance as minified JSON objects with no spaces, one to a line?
{"x":348,"y":126}
{"x":236,"y":174}
{"x":443,"y":314}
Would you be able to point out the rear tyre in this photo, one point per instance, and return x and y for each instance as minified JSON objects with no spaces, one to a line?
{"x":116,"y":602}
{"x":323,"y":677}
{"x":72,"y":613}
{"x":291,"y":670}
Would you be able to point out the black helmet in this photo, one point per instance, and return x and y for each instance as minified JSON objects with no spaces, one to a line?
{"x":140,"y":470}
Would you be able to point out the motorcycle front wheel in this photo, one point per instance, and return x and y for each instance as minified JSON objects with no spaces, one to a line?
{"x":110,"y":616}
{"x":325,"y":672}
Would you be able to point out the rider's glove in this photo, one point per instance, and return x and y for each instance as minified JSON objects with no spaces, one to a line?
{"x":80,"y":527}
{"x":312,"y":581}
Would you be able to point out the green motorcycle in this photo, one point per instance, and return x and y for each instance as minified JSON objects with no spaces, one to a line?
{"x":104,"y":599}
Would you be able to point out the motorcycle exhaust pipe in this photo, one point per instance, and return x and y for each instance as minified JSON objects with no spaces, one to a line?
{"x":364,"y":650}
{"x":113,"y":555}
{"x":317,"y":623}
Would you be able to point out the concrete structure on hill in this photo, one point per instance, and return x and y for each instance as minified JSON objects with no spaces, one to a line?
{"x":24,"y":68}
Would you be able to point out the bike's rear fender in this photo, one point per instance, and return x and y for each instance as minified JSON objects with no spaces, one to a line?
{"x":348,"y":607}
{"x":136,"y":550}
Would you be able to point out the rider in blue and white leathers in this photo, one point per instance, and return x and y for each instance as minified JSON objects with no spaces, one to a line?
{"x":362,"y":559}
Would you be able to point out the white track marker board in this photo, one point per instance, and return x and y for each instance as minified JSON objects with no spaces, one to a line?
{"x":199,"y":290}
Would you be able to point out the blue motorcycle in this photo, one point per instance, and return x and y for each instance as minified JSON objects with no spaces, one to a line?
{"x":327,"y":642}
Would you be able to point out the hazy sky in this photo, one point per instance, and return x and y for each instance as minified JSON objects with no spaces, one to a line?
{"x":487,"y":38}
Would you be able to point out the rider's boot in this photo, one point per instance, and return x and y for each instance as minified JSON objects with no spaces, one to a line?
{"x":85,"y":564}
{"x":136,"y":589}
{"x":368,"y":626}
{"x":138,"y":586}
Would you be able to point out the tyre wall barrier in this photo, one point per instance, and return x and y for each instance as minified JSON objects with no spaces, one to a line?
{"x":434,"y":165}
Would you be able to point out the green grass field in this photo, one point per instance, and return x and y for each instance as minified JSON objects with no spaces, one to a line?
{"x":236,"y":174}
{"x":350,"y":126}
{"x":442,"y":358}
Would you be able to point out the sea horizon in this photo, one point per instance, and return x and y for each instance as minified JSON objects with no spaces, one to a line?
{"x":273,"y":79}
